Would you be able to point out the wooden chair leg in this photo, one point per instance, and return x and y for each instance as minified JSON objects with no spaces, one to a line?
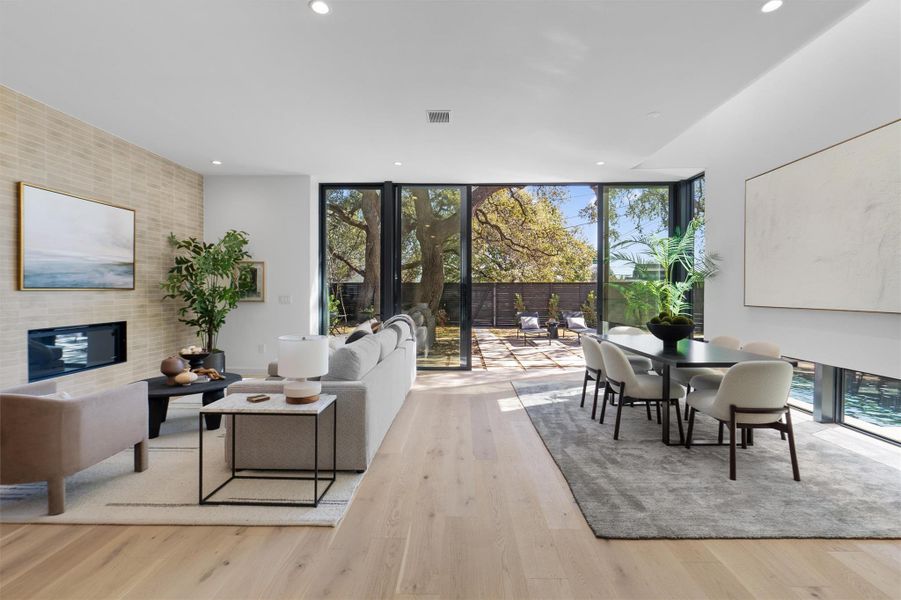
{"x":594,"y":405}
{"x":688,"y":391}
{"x":584,"y":389}
{"x":791,"y":446}
{"x":719,"y":437}
{"x":782,"y":435}
{"x":751,"y":437}
{"x":679,"y":421}
{"x":56,"y":496}
{"x":619,"y":411}
{"x":732,"y":442}
{"x":659,"y":420}
{"x":647,"y":407}
{"x":691,"y":426}
{"x":744,"y":438}
{"x":142,"y":456}
{"x":607,"y":391}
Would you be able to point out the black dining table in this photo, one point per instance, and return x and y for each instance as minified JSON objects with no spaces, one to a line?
{"x":687,"y":353}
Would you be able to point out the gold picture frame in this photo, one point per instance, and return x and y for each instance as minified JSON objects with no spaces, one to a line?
{"x":258,"y":268}
{"x":57,"y":262}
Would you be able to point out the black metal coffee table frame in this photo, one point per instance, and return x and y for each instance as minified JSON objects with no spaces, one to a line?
{"x":159,"y":393}
{"x":317,"y":496}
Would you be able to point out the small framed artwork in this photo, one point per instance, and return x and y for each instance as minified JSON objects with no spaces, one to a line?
{"x":71,"y":243}
{"x":255,"y":273}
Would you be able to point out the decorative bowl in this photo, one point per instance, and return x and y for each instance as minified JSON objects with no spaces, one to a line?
{"x":670,"y":334}
{"x":195,"y":360}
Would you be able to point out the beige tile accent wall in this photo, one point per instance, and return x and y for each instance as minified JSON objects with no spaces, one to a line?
{"x":45,"y":147}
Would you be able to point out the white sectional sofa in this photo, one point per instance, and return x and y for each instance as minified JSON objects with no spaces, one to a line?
{"x":371,"y":378}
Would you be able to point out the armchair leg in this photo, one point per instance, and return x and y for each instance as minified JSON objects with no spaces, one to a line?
{"x":607,"y":391}
{"x":732,"y":442}
{"x":719,"y":437}
{"x":594,"y":406}
{"x":56,"y":496}
{"x":142,"y":457}
{"x":678,"y":420}
{"x":691,"y":426}
{"x":584,"y":389}
{"x":619,"y":411}
{"x":658,"y":413}
{"x":791,"y":446}
{"x":647,"y":407}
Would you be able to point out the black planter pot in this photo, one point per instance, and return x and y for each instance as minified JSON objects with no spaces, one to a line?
{"x":553,"y":331}
{"x":670,"y":334}
{"x":216,"y":360}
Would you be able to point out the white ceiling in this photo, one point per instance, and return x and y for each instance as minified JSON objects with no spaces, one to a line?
{"x":540,"y":90}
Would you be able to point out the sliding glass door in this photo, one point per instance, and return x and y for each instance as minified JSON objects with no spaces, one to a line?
{"x":352,"y":255}
{"x":433,"y":263}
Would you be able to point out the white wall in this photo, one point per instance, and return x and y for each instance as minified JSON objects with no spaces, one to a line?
{"x":844,"y":83}
{"x":281,"y":215}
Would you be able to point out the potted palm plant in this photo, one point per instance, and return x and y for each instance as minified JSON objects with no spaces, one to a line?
{"x":209,"y":279}
{"x":678,"y":270}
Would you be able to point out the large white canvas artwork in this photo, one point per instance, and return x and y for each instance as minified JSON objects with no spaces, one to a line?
{"x":824,"y":232}
{"x":74,"y":243}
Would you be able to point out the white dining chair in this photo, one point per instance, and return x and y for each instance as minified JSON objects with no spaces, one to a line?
{"x":711,"y":381}
{"x":594,"y":369}
{"x":684,"y":375}
{"x":633,"y":388}
{"x":752,"y":395}
{"x":640,"y":364}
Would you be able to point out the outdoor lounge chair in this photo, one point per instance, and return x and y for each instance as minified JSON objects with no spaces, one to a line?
{"x":530,"y":326}
{"x":574,"y":320}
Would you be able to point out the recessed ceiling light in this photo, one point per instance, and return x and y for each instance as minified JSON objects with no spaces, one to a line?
{"x":397,"y":163}
{"x":653,"y":114}
{"x":216,"y":162}
{"x":771,"y":6}
{"x":319,"y":7}
{"x":600,"y":163}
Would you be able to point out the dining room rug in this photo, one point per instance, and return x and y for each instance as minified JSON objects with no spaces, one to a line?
{"x":638,"y":488}
{"x":111,"y":493}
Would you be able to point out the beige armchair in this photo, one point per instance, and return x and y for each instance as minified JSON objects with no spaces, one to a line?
{"x":48,"y":439}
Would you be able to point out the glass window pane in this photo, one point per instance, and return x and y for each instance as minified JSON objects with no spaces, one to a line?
{"x":431,"y":283}
{"x":699,"y":202}
{"x":632,"y":213}
{"x":872,"y":403}
{"x":353,"y":256}
{"x":801,"y":394}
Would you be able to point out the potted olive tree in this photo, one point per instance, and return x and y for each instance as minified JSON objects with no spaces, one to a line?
{"x":674,"y":258}
{"x":209,"y":279}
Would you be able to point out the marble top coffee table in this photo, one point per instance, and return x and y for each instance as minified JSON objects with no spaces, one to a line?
{"x":235,"y":405}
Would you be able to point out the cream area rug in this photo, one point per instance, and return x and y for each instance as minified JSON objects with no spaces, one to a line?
{"x":111,"y":493}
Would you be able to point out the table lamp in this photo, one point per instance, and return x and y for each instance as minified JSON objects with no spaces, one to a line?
{"x":300,"y":357}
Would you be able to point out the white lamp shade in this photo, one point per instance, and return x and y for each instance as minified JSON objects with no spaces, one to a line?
{"x":302,"y":355}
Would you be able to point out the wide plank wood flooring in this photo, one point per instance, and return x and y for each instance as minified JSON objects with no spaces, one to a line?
{"x":462,"y":501}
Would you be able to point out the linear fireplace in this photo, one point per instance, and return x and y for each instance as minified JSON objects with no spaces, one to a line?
{"x":64,"y":350}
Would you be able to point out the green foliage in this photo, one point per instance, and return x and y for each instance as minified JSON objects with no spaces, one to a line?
{"x":589,"y":309}
{"x":521,"y":235}
{"x":654,"y":320}
{"x":682,"y":320}
{"x":553,"y":307}
{"x":641,"y":301}
{"x":670,"y":253}
{"x":518,"y":303}
{"x":209,"y":279}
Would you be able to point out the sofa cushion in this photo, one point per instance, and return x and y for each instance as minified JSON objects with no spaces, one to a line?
{"x":352,"y":361}
{"x":402,"y":332}
{"x":388,"y":341}
{"x":364,"y":326}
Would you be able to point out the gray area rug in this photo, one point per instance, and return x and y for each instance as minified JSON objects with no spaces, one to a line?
{"x":637,"y":488}
{"x":111,"y":493}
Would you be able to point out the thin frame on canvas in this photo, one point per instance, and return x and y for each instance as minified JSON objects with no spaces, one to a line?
{"x":260,"y":266}
{"x":745,"y":232}
{"x":134,"y":241}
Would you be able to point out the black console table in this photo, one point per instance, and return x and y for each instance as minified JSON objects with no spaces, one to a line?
{"x":159,"y":392}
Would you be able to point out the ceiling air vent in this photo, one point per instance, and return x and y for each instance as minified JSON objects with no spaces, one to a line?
{"x":439,"y":116}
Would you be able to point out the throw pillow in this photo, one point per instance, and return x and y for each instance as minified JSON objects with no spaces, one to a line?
{"x":529,"y":322}
{"x":365,"y":326}
{"x":576,"y":323}
{"x":356,"y":335}
{"x":387,"y":340}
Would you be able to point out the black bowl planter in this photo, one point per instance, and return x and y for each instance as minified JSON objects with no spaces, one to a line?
{"x":216,"y":360}
{"x":195,"y":360}
{"x":670,"y":334}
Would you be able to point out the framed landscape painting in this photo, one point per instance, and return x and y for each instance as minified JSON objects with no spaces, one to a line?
{"x":72,"y":243}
